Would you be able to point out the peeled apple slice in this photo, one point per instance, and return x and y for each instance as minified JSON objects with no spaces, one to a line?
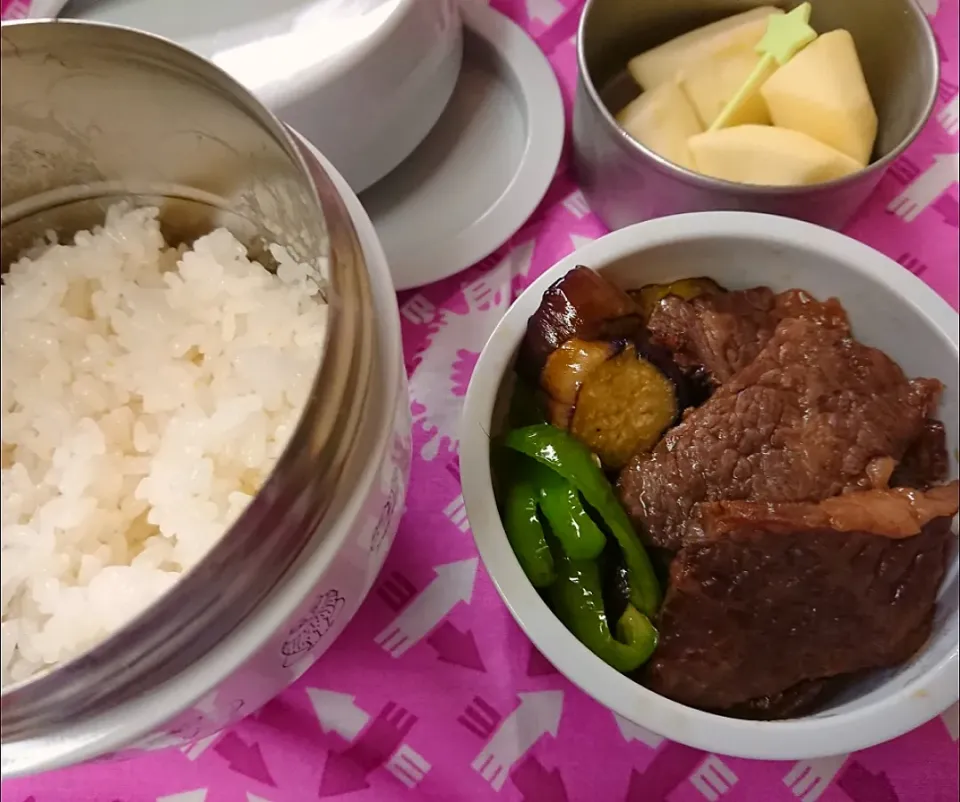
{"x":764,"y":154}
{"x":662,"y":120}
{"x":821,"y":91}
{"x":662,"y":63}
{"x":711,"y":83}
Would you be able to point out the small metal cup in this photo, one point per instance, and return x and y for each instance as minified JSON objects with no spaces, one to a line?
{"x":625,"y":182}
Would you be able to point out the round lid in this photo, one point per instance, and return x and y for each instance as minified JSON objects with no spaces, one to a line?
{"x":486,"y":164}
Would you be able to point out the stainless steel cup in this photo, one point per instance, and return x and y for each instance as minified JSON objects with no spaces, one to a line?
{"x":625,"y":183}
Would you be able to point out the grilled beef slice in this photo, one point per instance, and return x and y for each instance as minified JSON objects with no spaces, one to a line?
{"x":722,"y":333}
{"x":803,"y":421}
{"x":926,"y":461}
{"x":773,"y":599}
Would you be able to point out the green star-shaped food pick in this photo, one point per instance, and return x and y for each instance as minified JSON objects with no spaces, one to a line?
{"x":786,"y":35}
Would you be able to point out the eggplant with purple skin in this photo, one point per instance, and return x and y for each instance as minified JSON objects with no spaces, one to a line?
{"x":565,"y":371}
{"x":605,"y":381}
{"x":580,"y":306}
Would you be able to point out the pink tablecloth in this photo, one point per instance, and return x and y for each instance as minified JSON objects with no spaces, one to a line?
{"x":473,"y":712}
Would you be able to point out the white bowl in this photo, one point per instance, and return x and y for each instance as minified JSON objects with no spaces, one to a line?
{"x":363,"y":81}
{"x":890,"y":309}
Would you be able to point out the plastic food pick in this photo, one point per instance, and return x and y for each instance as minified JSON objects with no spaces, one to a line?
{"x":786,"y":35}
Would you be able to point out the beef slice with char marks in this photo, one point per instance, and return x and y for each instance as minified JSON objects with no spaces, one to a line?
{"x":776,"y":598}
{"x":801,"y":422}
{"x":722,"y":333}
{"x":926,"y":461}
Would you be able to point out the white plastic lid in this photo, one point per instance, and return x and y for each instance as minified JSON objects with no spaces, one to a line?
{"x":266,"y":46}
{"x":486,"y":165}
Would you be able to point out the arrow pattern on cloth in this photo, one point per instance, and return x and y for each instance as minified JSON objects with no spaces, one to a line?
{"x":396,"y":591}
{"x":538,"y":665}
{"x":418,"y":310}
{"x":864,"y":786}
{"x":480,"y":718}
{"x":444,"y":326}
{"x":671,"y":766}
{"x":713,"y":779}
{"x":537,"y":784}
{"x":949,"y":116}
{"x":244,"y":758}
{"x":338,"y":712}
{"x":456,"y":647}
{"x":197,"y":795}
{"x":903,"y":170}
{"x":946,"y":89}
{"x":947,"y":207}
{"x":912,"y":264}
{"x":193,"y":750}
{"x":538,"y":714}
{"x":456,"y":512}
{"x":452,"y":585}
{"x":809,"y":779}
{"x":408,"y":766}
{"x":634,"y":732}
{"x":347,"y":771}
{"x":927,"y":187}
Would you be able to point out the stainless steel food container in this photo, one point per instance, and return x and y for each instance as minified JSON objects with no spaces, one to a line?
{"x":93,"y":114}
{"x":626,"y":183}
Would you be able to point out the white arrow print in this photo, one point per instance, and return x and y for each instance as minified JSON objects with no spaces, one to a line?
{"x":949,"y":116}
{"x":951,"y":720}
{"x":927,"y":187}
{"x":197,"y":748}
{"x":255,"y":798}
{"x":453,"y":584}
{"x":634,"y":732}
{"x":547,"y":11}
{"x":199,"y":795}
{"x":538,"y":714}
{"x":713,"y":779}
{"x":338,"y":712}
{"x":808,"y":779}
{"x":579,"y":241}
{"x":576,"y":204}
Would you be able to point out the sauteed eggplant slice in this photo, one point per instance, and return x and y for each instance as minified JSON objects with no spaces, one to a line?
{"x":623,"y":407}
{"x":582,"y":305}
{"x":648,"y":297}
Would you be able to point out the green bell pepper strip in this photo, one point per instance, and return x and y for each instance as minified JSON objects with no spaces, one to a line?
{"x":577,"y":599}
{"x":525,"y":532}
{"x":579,"y":536}
{"x":567,"y":456}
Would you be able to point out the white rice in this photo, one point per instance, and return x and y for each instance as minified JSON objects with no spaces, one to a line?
{"x":147,"y":392}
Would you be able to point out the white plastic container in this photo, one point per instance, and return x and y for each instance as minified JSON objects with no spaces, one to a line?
{"x":890,"y":309}
{"x":363,"y":80}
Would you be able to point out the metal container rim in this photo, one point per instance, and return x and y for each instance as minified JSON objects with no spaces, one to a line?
{"x":700,"y":181}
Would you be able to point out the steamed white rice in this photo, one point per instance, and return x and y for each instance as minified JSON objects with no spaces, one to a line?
{"x":147,"y":393}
